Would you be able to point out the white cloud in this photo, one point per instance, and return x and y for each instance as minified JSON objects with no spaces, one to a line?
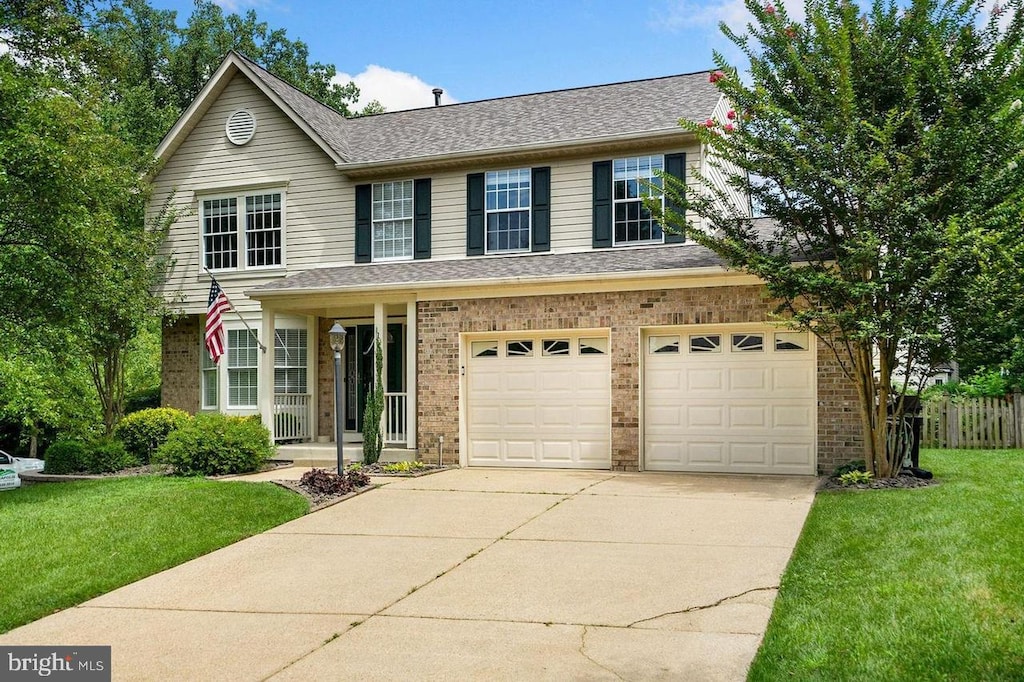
{"x":678,"y":15}
{"x":396,"y":90}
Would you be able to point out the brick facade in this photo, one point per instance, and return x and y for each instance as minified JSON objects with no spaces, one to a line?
{"x":441,"y":322}
{"x":179,"y":362}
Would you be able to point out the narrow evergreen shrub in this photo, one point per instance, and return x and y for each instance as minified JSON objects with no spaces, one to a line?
{"x":65,"y":457}
{"x":144,"y":431}
{"x":214,"y":444}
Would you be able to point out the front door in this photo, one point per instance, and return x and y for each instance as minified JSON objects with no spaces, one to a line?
{"x":359,"y":370}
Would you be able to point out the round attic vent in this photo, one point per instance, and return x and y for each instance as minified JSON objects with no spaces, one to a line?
{"x":241,"y":126}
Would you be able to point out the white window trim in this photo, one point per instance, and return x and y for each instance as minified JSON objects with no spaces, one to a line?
{"x":637,"y":242}
{"x":227,"y":371}
{"x":529,"y":214}
{"x":242,"y":256}
{"x":374,"y":258}
{"x":214,"y":371}
{"x":303,"y":360}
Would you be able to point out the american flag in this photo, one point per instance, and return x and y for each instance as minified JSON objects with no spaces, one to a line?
{"x":215,"y":307}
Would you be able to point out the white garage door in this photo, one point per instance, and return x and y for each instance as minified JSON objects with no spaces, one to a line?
{"x":539,"y":401}
{"x":729,"y":400}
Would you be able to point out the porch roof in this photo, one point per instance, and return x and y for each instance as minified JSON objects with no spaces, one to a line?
{"x":679,"y":259}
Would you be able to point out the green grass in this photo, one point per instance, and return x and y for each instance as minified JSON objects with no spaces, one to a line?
{"x":65,"y":543}
{"x":908,"y":584}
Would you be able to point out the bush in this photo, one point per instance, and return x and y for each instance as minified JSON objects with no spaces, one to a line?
{"x":142,"y":399}
{"x":854,"y":477}
{"x":322,"y":482}
{"x":855,"y":465}
{"x":65,"y":457}
{"x":144,"y":431}
{"x":97,"y":457}
{"x":214,"y":444}
{"x":104,"y":456}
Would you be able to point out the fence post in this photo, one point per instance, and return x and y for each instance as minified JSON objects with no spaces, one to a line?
{"x":1018,"y":419}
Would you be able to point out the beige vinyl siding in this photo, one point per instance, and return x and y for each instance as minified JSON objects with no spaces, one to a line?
{"x":716,"y":176}
{"x":318,"y":200}
{"x":571,"y":204}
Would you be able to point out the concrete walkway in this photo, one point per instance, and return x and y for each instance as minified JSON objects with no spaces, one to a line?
{"x":470,"y":574}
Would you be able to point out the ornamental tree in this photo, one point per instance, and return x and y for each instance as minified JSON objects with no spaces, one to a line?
{"x":883,"y":145}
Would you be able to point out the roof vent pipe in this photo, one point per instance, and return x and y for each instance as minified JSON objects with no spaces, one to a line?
{"x":437,"y":96}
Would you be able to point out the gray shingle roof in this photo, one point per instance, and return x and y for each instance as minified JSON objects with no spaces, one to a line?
{"x":534,"y":267}
{"x":562,"y":116}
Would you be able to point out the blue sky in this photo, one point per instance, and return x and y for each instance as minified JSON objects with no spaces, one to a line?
{"x":398,"y":51}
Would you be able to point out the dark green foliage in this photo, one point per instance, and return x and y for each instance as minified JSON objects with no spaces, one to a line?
{"x":855,"y":465}
{"x":142,"y":399}
{"x":144,"y":431}
{"x":214,"y":444}
{"x":373,"y":439}
{"x":322,"y":482}
{"x":66,"y":457}
{"x":107,"y":455}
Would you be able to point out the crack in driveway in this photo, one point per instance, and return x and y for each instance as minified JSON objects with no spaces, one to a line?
{"x":703,"y":607}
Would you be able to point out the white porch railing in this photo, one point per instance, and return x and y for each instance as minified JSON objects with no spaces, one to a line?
{"x":394,"y":418}
{"x":292,"y":420}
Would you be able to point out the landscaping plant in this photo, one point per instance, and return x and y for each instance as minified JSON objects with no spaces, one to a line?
{"x":144,"y":431}
{"x":213,"y":444}
{"x":373,"y":439}
{"x":323,"y":482}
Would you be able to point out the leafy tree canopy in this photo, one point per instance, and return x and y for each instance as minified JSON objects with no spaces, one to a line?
{"x":885,"y":147}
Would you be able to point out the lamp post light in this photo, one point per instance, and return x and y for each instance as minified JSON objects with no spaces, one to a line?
{"x":337,"y":336}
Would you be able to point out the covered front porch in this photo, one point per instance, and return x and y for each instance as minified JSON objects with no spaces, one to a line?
{"x":300,"y":408}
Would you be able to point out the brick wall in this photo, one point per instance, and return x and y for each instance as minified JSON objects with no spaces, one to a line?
{"x":179,"y":362}
{"x":441,"y":322}
{"x":325,"y":379}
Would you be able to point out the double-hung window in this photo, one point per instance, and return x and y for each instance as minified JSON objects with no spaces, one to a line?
{"x":243,"y":231}
{"x":393,"y":220}
{"x":243,"y":369}
{"x":633,"y":180}
{"x":290,"y":361}
{"x":508,"y":210}
{"x":210,"y":380}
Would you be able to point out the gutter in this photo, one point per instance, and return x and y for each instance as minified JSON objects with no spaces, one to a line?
{"x":707,"y":271}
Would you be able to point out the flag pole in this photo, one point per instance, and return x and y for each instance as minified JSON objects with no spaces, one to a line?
{"x":254,"y":336}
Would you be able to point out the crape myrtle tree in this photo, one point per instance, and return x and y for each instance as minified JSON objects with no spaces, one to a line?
{"x":884,"y":145}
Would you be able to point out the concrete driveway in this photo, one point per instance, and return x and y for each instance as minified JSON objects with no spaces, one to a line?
{"x":470,"y":574}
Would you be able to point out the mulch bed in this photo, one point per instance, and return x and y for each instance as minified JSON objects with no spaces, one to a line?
{"x":901,"y":482}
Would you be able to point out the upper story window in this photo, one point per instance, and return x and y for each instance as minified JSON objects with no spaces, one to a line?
{"x":633,"y":180}
{"x":257,"y":241}
{"x":508,"y":210}
{"x":393,"y":220}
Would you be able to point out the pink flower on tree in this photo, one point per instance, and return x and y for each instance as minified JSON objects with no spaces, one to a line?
{"x":716,"y":76}
{"x":731,"y":115}
{"x":997,"y":10}
{"x":791,"y":32}
{"x":728,"y":127}
{"x":710,"y":123}
{"x":769,"y":9}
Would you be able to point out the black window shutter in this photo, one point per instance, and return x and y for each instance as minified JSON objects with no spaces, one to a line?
{"x":540,"y":183}
{"x":602,"y":204}
{"x":475,"y":214}
{"x":675,"y":165}
{"x":421,"y":221}
{"x":364,"y":245}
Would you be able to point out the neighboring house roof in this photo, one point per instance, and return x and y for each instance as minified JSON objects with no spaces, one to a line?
{"x":561,"y":117}
{"x":527,"y":268}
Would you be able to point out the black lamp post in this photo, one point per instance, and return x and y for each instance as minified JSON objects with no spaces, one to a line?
{"x":337,"y":336}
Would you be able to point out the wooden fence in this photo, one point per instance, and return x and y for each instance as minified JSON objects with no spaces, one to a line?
{"x":974,"y":422}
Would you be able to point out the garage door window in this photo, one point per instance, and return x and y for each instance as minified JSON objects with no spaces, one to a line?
{"x":706,"y":343}
{"x":664,"y":344}
{"x":748,"y":342}
{"x":485,"y":349}
{"x":790,"y":341}
{"x":519,"y":349}
{"x":555,"y":346}
{"x":593,"y":346}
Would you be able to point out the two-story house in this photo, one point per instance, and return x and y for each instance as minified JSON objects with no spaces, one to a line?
{"x":534,"y":314}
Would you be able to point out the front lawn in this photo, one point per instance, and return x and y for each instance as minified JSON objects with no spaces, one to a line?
{"x":64,"y":543}
{"x":923,"y":584}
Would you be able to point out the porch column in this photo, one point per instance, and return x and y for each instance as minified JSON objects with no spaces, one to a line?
{"x":266,"y":378}
{"x":410,"y":375}
{"x":380,"y":329}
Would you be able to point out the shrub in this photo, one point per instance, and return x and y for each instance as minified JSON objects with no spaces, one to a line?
{"x":403,"y":467}
{"x":65,"y":457}
{"x":142,"y":399}
{"x":214,"y":444}
{"x":144,"y":431}
{"x":104,"y":456}
{"x":855,"y":465}
{"x":322,"y":482}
